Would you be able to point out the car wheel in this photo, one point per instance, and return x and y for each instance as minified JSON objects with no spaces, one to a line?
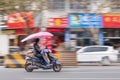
{"x":105,"y":61}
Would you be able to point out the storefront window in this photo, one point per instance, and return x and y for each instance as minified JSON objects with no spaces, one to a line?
{"x":82,"y":38}
{"x":117,"y":33}
{"x":111,"y":32}
{"x":21,"y":45}
{"x":111,"y":36}
{"x":83,"y":42}
{"x":78,"y":34}
{"x":11,"y":42}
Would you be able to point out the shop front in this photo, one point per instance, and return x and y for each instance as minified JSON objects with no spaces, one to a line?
{"x":58,"y":37}
{"x":16,"y":35}
{"x":79,"y":28}
{"x":17,"y":22}
{"x":111,"y":29}
{"x":58,"y":26}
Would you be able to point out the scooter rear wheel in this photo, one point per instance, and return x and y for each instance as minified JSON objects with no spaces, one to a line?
{"x":27,"y":68}
{"x":57,"y":67}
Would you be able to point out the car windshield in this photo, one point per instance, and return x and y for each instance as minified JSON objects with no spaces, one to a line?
{"x":95,"y":49}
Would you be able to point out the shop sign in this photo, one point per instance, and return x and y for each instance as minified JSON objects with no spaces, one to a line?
{"x":111,"y":20}
{"x":85,"y":20}
{"x":18,"y":20}
{"x":58,"y":22}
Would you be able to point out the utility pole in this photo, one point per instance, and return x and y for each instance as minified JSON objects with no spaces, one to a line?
{"x":42,"y":15}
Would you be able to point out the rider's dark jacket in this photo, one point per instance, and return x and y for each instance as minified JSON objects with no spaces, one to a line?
{"x":36,"y":50}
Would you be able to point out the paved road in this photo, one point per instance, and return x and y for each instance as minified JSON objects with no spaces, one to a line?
{"x":74,"y":73}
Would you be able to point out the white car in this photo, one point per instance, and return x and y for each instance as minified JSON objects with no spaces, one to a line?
{"x":97,"y":53}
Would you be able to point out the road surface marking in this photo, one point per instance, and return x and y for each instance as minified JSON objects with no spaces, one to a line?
{"x":109,"y":72}
{"x":71,"y":78}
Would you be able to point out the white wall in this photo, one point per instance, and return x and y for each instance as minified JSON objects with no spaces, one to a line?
{"x":4,"y":44}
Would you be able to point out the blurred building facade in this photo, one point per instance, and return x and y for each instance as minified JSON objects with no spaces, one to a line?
{"x":53,"y":17}
{"x":77,"y":36}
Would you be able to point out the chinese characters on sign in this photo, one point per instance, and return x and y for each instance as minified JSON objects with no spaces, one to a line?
{"x":111,"y":20}
{"x":18,"y":20}
{"x":58,"y":22}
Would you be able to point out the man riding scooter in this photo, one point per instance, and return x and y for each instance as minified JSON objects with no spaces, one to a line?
{"x":40,"y":54}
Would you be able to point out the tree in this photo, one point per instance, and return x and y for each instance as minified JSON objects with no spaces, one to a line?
{"x":13,"y":6}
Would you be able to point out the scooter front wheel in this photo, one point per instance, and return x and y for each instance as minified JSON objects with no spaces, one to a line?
{"x":57,"y":67}
{"x":27,"y":68}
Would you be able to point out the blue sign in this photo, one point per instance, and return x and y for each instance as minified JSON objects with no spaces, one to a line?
{"x":85,"y":20}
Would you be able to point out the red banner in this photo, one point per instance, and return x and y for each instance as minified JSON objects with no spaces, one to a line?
{"x":58,"y":22}
{"x":20,"y":20}
{"x":111,"y":20}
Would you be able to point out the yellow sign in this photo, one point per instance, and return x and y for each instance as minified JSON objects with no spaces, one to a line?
{"x":57,"y":22}
{"x":107,"y":19}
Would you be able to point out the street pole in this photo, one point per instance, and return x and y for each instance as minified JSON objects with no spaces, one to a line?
{"x":43,"y":15}
{"x":0,"y":24}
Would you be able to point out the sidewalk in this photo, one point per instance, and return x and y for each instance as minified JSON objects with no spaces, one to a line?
{"x":90,"y":64}
{"x":97,"y":64}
